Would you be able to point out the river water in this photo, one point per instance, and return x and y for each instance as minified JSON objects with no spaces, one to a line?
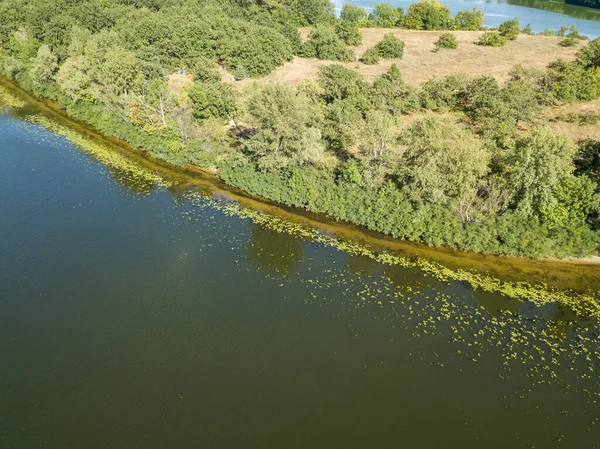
{"x":139,"y":309}
{"x":539,"y":13}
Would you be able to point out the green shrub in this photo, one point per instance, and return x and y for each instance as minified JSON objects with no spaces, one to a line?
{"x":428,"y":15}
{"x":390,"y":47}
{"x":547,"y":32}
{"x":443,"y":94}
{"x":510,"y":29}
{"x":353,"y":13}
{"x":206,"y":71}
{"x":527,"y":30}
{"x":469,"y":20}
{"x":385,"y":16}
{"x":328,"y":45}
{"x":370,"y":57}
{"x":568,"y":41}
{"x":446,"y":40}
{"x":216,"y":100}
{"x":562,"y":32}
{"x":348,"y":32}
{"x":308,"y":50}
{"x":574,"y":33}
{"x":571,"y":81}
{"x":492,"y":39}
{"x":589,"y":56}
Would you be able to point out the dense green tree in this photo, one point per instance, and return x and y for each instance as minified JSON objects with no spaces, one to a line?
{"x":444,"y":94}
{"x":325,"y":43}
{"x":205,"y":70}
{"x":260,"y":50}
{"x":119,"y":70}
{"x":283,"y":136}
{"x":446,"y":40}
{"x":216,"y":100}
{"x":370,"y":56}
{"x":385,"y":16}
{"x":492,"y":39}
{"x":589,"y":56}
{"x":571,"y":81}
{"x":348,"y":32}
{"x":469,"y":20}
{"x":510,"y":29}
{"x":390,"y":47}
{"x":43,"y":66}
{"x":587,"y":161}
{"x":538,"y":164}
{"x":378,"y":146}
{"x":427,"y":15}
{"x":442,"y":161}
{"x":342,"y":118}
{"x":339,"y":82}
{"x":312,"y":12}
{"x":391,"y":94}
{"x":353,"y":13}
{"x":74,"y":77}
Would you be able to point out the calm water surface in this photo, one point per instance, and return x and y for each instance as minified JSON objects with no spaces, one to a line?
{"x":553,"y":15}
{"x":139,"y":316}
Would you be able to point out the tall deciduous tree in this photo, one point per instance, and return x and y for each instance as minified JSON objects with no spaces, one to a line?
{"x":43,"y":66}
{"x":283,"y":136}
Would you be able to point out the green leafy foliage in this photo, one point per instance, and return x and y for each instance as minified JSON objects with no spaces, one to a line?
{"x":446,"y":40}
{"x":510,"y":29}
{"x":386,"y":16}
{"x":569,"y":41}
{"x":527,"y":30}
{"x":312,"y":12}
{"x":353,"y":13}
{"x":390,"y":47}
{"x":283,"y":134}
{"x":492,"y":39}
{"x":469,"y":20}
{"x":348,"y":32}
{"x":428,"y":15}
{"x":217,"y":100}
{"x":474,"y":179}
{"x":325,"y":43}
{"x":370,"y":56}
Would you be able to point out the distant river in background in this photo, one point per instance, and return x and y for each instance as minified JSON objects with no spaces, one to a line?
{"x":539,"y":14}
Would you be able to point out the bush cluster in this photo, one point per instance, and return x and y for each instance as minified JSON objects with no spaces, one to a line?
{"x":446,"y":40}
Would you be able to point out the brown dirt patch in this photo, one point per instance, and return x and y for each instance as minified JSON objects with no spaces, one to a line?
{"x":420,"y":63}
{"x":177,"y":81}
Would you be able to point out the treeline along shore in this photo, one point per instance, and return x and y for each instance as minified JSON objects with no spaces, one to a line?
{"x":468,"y":161}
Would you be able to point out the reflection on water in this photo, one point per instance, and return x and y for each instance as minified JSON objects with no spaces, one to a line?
{"x":566,"y":9}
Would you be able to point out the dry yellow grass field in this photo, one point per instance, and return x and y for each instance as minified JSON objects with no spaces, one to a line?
{"x":575,"y":130}
{"x":420,"y":63}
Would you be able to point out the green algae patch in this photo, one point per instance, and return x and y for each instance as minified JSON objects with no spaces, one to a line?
{"x":103,"y":154}
{"x":9,"y":101}
{"x":582,"y":304}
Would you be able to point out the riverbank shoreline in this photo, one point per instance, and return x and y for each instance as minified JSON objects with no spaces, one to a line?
{"x":193,"y":173}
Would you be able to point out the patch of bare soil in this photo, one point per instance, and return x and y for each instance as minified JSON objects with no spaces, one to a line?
{"x":177,"y":81}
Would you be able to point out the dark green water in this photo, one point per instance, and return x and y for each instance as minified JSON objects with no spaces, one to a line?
{"x":140,"y":316}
